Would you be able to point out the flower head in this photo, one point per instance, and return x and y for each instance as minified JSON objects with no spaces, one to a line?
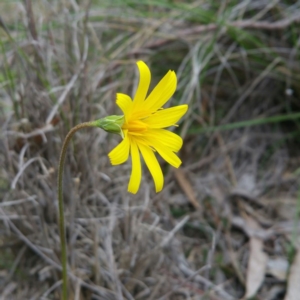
{"x":143,"y":128}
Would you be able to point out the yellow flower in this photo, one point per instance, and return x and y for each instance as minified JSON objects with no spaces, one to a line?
{"x":143,"y":128}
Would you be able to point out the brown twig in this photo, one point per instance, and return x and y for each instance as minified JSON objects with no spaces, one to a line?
{"x":247,"y":24}
{"x":31,"y":22}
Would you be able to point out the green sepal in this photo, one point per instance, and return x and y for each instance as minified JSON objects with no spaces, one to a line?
{"x":111,"y":124}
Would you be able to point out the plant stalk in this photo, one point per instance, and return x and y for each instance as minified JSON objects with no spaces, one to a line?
{"x":61,"y":204}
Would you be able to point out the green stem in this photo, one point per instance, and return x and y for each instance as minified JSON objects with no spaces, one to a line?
{"x":61,"y":204}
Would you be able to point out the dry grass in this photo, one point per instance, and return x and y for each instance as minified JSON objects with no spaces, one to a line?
{"x":229,"y":215}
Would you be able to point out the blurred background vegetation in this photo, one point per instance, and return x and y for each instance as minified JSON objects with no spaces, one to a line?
{"x":226,"y":225}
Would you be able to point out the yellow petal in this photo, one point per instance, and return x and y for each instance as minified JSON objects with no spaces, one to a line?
{"x":166,"y":117}
{"x":120,"y":153}
{"x":164,"y":137}
{"x":143,"y":86}
{"x":153,"y":166}
{"x":162,"y":92}
{"x":165,"y":150}
{"x":125,"y":104}
{"x":168,"y":156}
{"x":136,"y":173}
